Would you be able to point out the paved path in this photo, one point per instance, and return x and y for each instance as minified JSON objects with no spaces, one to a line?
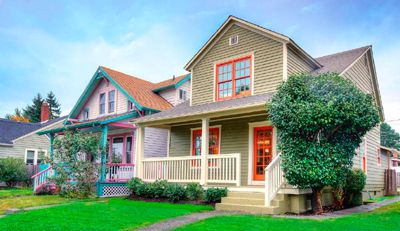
{"x":184,"y":220}
{"x":344,"y":212}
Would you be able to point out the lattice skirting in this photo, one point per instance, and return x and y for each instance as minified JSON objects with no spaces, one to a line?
{"x":112,"y":189}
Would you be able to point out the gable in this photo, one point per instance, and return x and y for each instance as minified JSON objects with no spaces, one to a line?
{"x":296,"y":63}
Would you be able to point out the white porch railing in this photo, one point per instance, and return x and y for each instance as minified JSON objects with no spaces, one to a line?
{"x":273,"y":179}
{"x":119,"y":172}
{"x":41,"y":178}
{"x":222,"y":168}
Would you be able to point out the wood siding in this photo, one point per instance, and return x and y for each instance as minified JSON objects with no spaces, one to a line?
{"x":268,"y":63}
{"x":155,"y":142}
{"x":172,"y":94}
{"x":32,"y":141}
{"x":234,"y":139}
{"x":296,"y":64}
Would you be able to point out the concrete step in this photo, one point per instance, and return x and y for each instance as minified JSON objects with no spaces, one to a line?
{"x":245,"y":195}
{"x":248,"y":208}
{"x":242,"y":201}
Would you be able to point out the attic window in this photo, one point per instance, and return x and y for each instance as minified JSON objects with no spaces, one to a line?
{"x":131,"y":106}
{"x":182,"y":94}
{"x":233,"y":40}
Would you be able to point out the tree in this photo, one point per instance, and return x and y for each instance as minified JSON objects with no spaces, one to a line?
{"x":13,"y":171}
{"x":17,"y":116}
{"x":55,"y":109}
{"x":33,"y":111}
{"x":389,"y":137}
{"x":320,"y":121}
{"x":76,"y":154}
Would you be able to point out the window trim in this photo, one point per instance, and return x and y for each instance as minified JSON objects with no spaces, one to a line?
{"x":86,"y":110}
{"x":182,"y":93}
{"x":105,"y":100}
{"x":35,"y":156}
{"x":199,"y":128}
{"x":364,"y":156}
{"x":108,"y":101}
{"x":233,"y":79}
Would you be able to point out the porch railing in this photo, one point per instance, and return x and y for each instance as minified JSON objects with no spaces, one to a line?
{"x":222,"y":168}
{"x":119,"y":172}
{"x":273,"y":179}
{"x":42,"y":177}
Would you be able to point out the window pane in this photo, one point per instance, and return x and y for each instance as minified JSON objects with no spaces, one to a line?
{"x":102,"y":107}
{"x":117,"y":147}
{"x":111,"y":101}
{"x":128,"y":150}
{"x":30,"y":157}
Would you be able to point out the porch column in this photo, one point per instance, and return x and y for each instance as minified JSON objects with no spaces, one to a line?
{"x":104,"y":133}
{"x":139,"y":151}
{"x":51,"y":149}
{"x":204,"y":150}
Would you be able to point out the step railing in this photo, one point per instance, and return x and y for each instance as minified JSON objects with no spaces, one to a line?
{"x":224,"y":168}
{"x":274,"y":179}
{"x":42,"y":177}
{"x":119,"y":172}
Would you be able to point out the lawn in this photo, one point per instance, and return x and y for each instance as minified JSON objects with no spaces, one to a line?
{"x":15,"y":192}
{"x":29,"y":201}
{"x":386,"y":218}
{"x":102,"y":214}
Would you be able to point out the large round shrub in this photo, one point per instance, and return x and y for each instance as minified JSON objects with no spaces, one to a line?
{"x":13,"y":171}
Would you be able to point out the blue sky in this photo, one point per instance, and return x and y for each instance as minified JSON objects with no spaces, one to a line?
{"x":57,"y":45}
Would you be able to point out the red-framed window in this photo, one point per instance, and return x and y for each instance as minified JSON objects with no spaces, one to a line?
{"x":233,"y":78}
{"x":213,"y":145}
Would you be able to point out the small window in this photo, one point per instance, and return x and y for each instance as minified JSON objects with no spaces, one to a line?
{"x":233,"y":40}
{"x":111,"y":101}
{"x":102,"y":107}
{"x":129,"y":149}
{"x":85,"y":114}
{"x":363,"y":154}
{"x":182,"y":94}
{"x":30,"y":157}
{"x":131,"y":106}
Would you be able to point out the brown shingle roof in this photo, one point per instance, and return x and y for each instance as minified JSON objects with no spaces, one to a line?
{"x":141,"y":90}
{"x":340,"y":61}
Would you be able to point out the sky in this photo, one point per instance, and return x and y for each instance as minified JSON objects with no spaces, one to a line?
{"x":57,"y":45}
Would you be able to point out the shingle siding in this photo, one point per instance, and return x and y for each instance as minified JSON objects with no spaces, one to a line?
{"x":296,"y":64}
{"x":32,"y":141}
{"x":268,"y":63}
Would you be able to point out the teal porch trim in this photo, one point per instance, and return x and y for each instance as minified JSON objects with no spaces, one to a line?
{"x":65,"y":128}
{"x":104,"y":134}
{"x":178,"y":84}
{"x":51,"y":148}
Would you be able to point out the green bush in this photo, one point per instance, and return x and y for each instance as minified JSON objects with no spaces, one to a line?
{"x":194,"y":191}
{"x":355,"y":183}
{"x":213,"y":195}
{"x":175,"y":192}
{"x":157,"y":189}
{"x":137,"y":187}
{"x":13,"y":171}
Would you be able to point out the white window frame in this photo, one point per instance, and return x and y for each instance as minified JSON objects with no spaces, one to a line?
{"x":182,"y":93}
{"x":36,"y":155}
{"x":109,"y":101}
{"x":105,"y":103}
{"x":86,"y":110}
{"x":364,"y":154}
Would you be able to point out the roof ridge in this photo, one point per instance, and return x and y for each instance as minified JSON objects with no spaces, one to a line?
{"x":345,"y":51}
{"x":135,"y":77}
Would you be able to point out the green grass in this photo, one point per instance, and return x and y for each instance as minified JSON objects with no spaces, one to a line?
{"x":29,"y":201}
{"x":11,"y":192}
{"x":105,"y":214}
{"x":386,"y":218}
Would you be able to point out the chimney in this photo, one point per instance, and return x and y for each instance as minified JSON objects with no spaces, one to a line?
{"x":44,"y":112}
{"x":173,"y":78}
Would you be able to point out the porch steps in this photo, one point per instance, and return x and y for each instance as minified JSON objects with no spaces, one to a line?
{"x":252,"y":202}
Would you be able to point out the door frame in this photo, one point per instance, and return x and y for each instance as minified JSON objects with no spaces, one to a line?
{"x":253,"y":125}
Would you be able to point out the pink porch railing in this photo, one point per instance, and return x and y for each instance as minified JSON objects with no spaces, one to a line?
{"x":42,"y":177}
{"x":119,"y":172}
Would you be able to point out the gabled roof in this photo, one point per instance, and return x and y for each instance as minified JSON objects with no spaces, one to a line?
{"x":11,"y":130}
{"x":238,"y":21}
{"x":339,"y":62}
{"x":171,"y":83}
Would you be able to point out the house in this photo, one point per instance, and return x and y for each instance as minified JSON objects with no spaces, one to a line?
{"x":222,"y":135}
{"x":108,"y":103}
{"x":19,"y":139}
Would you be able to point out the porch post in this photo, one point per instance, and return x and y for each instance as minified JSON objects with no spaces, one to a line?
{"x":104,"y":133}
{"x":204,"y":150}
{"x":51,"y":149}
{"x":139,"y":151}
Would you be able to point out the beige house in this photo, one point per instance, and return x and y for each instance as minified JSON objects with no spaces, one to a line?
{"x":222,"y":136}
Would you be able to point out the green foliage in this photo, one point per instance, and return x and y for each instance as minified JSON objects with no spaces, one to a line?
{"x":157,"y":189}
{"x":33,"y":111}
{"x":213,"y":195}
{"x":389,"y":137}
{"x":137,"y":186}
{"x":175,"y":192}
{"x":320,"y":120}
{"x":76,"y":154}
{"x":46,"y":189}
{"x":54,"y":105}
{"x":194,"y":191}
{"x":13,"y":171}
{"x":355,"y":181}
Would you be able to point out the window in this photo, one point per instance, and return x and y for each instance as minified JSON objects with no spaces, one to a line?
{"x":182,"y":94}
{"x":214,"y":136}
{"x":117,"y":149}
{"x":111,"y":101}
{"x":233,"y":40}
{"x":30,"y":157}
{"x":363,"y":154}
{"x":102,"y":107}
{"x":233,"y":78}
{"x":131,"y":106}
{"x":85,"y":114}
{"x":129,"y":150}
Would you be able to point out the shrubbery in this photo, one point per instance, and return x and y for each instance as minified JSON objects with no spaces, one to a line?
{"x":161,"y":189}
{"x":47,"y":189}
{"x":355,"y":183}
{"x":13,"y":171}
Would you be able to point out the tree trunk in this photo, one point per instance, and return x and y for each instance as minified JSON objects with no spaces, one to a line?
{"x":317,"y":205}
{"x":338,"y":198}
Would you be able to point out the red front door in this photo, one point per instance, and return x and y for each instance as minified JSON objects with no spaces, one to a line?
{"x":262,"y":151}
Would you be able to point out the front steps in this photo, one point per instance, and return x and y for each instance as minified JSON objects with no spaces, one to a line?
{"x":252,"y":202}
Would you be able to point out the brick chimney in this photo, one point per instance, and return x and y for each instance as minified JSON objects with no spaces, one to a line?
{"x":44,"y":112}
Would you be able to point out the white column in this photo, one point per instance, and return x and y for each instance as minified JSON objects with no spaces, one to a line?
{"x":139,"y":152}
{"x":204,"y":150}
